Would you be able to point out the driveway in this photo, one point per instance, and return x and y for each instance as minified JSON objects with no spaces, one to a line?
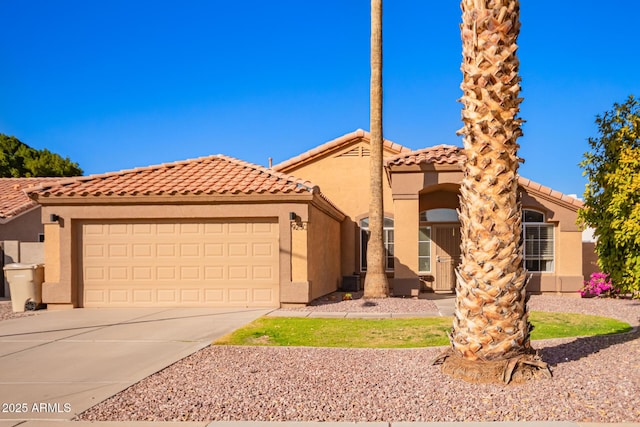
{"x":60,"y":363}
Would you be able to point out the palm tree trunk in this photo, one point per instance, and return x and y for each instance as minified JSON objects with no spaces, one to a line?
{"x":375,"y":283}
{"x":490,"y":336}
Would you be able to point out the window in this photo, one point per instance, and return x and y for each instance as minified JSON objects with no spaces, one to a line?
{"x":439,"y":215}
{"x":387,"y":235}
{"x":538,"y":242}
{"x":424,"y":249}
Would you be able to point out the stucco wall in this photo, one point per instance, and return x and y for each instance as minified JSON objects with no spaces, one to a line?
{"x":24,"y":228}
{"x":567,"y":275}
{"x":61,"y":258}
{"x":554,"y":212}
{"x":439,"y":199}
{"x":13,"y":251}
{"x":438,"y":186}
{"x":589,"y":259}
{"x":323,"y":253}
{"x":343,"y":176}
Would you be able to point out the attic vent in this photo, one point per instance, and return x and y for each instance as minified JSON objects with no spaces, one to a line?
{"x":354,"y":152}
{"x":366,"y":152}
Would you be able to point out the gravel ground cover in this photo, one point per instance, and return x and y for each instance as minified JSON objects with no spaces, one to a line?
{"x":596,"y":379}
{"x":6,"y":312}
{"x":333,"y":302}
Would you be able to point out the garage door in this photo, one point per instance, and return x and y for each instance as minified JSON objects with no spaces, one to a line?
{"x":184,"y":263}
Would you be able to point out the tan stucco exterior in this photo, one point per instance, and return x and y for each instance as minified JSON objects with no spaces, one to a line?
{"x":589,"y":259}
{"x":25,"y":227}
{"x":344,"y":173}
{"x":324,"y":253}
{"x":318,"y":232}
{"x":63,"y":287}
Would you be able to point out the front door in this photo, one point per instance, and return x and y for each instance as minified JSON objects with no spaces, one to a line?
{"x":447,"y":243}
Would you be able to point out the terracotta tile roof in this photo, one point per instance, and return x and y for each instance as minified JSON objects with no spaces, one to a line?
{"x":13,"y":198}
{"x":439,"y":154}
{"x":451,"y":154}
{"x":217,"y":174}
{"x":334,"y":144}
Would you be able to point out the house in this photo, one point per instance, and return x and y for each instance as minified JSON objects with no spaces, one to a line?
{"x":421,"y":227}
{"x":213,"y":231}
{"x":19,"y":215}
{"x":217,"y":231}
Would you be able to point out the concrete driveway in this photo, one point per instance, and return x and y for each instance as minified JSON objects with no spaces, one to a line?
{"x":60,"y":363}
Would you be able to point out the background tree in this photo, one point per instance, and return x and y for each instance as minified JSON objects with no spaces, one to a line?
{"x":612,"y":195}
{"x":17,"y":159}
{"x":490,"y":336}
{"x":375,"y":282}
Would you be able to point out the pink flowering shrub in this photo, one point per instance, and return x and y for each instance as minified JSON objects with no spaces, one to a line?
{"x":599,"y":284}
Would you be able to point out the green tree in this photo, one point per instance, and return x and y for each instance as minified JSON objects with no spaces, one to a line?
{"x":612,"y":195}
{"x":17,"y":159}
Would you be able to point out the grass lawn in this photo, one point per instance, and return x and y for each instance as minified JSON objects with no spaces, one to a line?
{"x":399,"y":333}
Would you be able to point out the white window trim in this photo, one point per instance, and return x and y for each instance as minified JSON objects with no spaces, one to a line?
{"x":385,"y":239}
{"x":430,"y":249}
{"x":553,"y":246}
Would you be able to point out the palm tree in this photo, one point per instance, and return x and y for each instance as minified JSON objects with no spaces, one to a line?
{"x":490,"y":336}
{"x":375,"y":283}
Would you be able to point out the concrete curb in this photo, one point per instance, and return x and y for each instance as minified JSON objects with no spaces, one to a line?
{"x":63,"y":423}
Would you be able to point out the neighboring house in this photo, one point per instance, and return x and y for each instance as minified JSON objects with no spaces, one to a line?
{"x":20,"y":225}
{"x":217,"y":231}
{"x":19,"y":215}
{"x":589,"y":255}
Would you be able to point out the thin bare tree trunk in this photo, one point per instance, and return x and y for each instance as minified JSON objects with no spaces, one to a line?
{"x":376,"y":284}
{"x":490,"y":336}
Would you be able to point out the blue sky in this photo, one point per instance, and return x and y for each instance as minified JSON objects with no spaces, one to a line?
{"x":115,"y":84}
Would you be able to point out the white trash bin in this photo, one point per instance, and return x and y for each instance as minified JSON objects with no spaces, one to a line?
{"x":25,"y":284}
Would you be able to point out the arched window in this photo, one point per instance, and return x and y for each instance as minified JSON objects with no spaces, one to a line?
{"x":387,"y":234}
{"x":538,"y":242}
{"x":439,"y":215}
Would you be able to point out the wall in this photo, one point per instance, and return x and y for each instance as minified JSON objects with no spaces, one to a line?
{"x":324,"y":253}
{"x":554,"y":212}
{"x":24,"y":227}
{"x":61,"y":281}
{"x":567,"y":275}
{"x":343,"y":176}
{"x":13,"y":251}
{"x":589,"y":259}
{"x":438,"y":186}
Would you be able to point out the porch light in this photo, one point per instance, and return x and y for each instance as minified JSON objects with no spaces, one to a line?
{"x":54,"y":218}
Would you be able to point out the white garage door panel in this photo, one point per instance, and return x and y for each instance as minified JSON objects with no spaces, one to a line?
{"x":180,"y":264}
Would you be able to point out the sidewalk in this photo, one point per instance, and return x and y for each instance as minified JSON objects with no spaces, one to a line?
{"x":44,"y":423}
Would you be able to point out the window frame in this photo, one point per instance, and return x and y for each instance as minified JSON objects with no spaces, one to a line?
{"x":430,"y":257}
{"x":552,"y":241}
{"x":387,"y":231}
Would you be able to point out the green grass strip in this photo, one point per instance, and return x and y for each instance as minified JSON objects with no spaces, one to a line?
{"x":399,"y":333}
